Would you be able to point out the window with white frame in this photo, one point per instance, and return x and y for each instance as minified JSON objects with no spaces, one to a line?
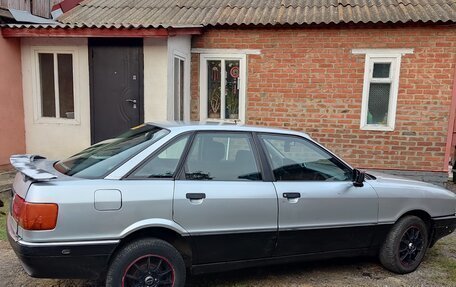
{"x":55,"y":84}
{"x":381,"y":86}
{"x":222,"y":87}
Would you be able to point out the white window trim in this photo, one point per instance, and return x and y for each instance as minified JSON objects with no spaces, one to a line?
{"x":186,"y":103}
{"x":38,"y":118}
{"x":227,"y":51}
{"x":393,"y":56}
{"x":383,"y":51}
{"x":203,"y":85}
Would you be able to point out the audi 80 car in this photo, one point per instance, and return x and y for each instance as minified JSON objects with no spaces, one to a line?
{"x":167,"y":199}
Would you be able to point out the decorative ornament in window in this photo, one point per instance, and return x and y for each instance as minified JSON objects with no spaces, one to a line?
{"x":232,"y":90}
{"x":214,"y":90}
{"x":222,"y":87}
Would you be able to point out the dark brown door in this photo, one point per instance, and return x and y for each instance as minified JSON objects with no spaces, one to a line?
{"x":116,"y":67}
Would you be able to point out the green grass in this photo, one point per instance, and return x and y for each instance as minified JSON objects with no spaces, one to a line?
{"x":440,"y":258}
{"x":3,"y":212}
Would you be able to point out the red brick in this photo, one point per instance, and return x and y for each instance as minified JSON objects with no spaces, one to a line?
{"x":308,"y":79}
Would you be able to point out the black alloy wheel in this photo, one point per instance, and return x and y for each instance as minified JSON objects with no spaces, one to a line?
{"x":149,"y":271}
{"x":147,"y":262}
{"x":411,"y":246}
{"x":405,"y":245}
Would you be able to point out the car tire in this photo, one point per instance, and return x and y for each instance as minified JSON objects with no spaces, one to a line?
{"x":147,"y":260}
{"x":405,"y":245}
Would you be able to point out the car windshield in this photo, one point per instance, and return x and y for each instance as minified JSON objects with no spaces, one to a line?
{"x":100,"y":159}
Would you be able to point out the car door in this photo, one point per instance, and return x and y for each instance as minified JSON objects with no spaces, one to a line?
{"x":223,"y":200}
{"x":319,"y":208}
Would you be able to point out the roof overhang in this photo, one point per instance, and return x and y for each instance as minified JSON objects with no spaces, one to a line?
{"x":10,"y":31}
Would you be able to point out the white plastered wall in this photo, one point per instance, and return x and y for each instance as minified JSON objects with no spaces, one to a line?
{"x":158,"y":76}
{"x":56,"y":138}
{"x":155,"y":83}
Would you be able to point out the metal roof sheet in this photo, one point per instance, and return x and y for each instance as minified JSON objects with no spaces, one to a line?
{"x":27,"y":17}
{"x":191,"y":13}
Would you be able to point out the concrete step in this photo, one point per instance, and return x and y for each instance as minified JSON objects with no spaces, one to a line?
{"x":6,"y":179}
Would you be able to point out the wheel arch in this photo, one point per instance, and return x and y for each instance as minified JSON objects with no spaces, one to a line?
{"x":423,"y":215}
{"x":427,"y":219}
{"x":177,"y":240}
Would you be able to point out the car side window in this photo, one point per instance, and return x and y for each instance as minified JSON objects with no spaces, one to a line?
{"x":164,"y":164}
{"x":296,"y":159}
{"x":222,"y":157}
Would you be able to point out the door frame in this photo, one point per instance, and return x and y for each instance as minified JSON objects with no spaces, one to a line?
{"x":375,"y":229}
{"x":96,"y":42}
{"x":213,"y":238}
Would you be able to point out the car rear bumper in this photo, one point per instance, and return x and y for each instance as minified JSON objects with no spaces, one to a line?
{"x":442,"y":227}
{"x":64,"y":259}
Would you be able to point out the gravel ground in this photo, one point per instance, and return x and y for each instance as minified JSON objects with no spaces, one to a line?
{"x":438,"y":269}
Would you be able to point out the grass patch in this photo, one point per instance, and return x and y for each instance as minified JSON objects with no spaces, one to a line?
{"x":3,"y":211}
{"x":440,"y":258}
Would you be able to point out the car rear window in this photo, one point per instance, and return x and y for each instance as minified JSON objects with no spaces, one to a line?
{"x":100,"y":159}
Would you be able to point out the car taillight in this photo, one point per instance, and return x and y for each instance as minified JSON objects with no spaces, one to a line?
{"x":34,"y":216}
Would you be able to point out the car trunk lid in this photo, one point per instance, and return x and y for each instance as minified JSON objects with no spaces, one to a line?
{"x":31,"y":168}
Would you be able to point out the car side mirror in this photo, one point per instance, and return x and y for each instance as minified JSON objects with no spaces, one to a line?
{"x":358,"y":177}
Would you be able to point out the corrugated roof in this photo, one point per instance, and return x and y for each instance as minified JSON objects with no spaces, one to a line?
{"x":174,"y":13}
{"x":146,"y":13}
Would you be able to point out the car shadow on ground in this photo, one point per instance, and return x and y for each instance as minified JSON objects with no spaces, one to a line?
{"x":270,"y":273}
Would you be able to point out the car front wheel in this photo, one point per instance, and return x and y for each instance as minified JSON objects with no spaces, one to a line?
{"x":405,"y":245}
{"x":147,"y":262}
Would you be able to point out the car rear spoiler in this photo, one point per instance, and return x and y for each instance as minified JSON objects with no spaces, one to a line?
{"x":24,"y":163}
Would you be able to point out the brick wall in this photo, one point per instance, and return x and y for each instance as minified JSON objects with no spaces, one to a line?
{"x":307,"y":79}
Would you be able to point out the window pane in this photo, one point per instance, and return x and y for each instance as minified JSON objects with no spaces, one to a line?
{"x":46,"y":67}
{"x":178,"y":89}
{"x":294,"y":158}
{"x":181,"y":89}
{"x":378,"y":103}
{"x":101,"y":158}
{"x":232,"y":89}
{"x":66,"y":91}
{"x":381,"y":70}
{"x":213,"y":89}
{"x":165,"y":163}
{"x":222,"y":157}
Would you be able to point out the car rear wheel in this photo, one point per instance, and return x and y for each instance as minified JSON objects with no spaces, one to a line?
{"x":405,"y":245}
{"x":148,"y":263}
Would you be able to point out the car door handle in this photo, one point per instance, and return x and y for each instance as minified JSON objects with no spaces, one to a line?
{"x":195,"y":196}
{"x":291,"y":195}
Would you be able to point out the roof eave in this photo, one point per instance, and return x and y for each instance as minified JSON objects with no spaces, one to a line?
{"x":9,"y":31}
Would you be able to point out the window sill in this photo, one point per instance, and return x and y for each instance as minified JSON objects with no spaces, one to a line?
{"x":381,"y":128}
{"x":226,"y":121}
{"x":64,"y":121}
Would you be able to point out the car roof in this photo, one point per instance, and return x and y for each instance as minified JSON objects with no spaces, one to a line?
{"x":181,"y":126}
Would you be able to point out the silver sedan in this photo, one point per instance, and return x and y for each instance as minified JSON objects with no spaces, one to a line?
{"x":165,"y":199}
